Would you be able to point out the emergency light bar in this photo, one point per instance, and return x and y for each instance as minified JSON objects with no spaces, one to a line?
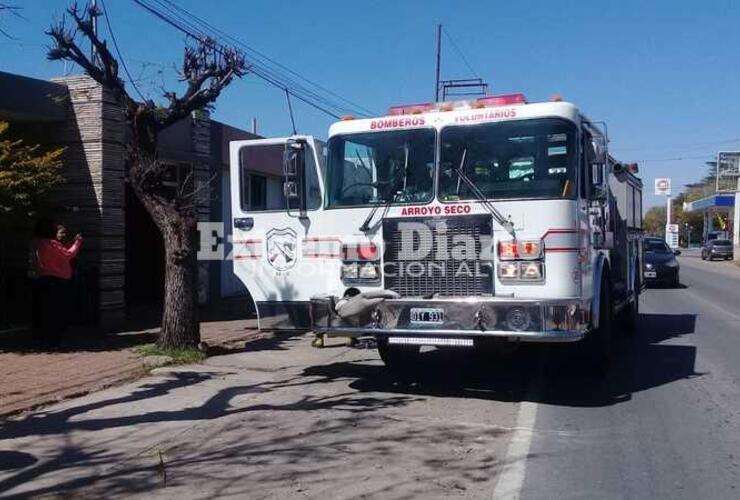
{"x":483,"y":102}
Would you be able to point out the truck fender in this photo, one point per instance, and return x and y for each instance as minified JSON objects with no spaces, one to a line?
{"x":601,"y":269}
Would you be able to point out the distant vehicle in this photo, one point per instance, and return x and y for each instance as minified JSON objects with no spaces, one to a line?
{"x":717,"y":249}
{"x":660,"y":261}
{"x":718,"y":235}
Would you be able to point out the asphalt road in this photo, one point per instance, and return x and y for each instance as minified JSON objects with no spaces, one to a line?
{"x":666,"y":422}
{"x":283,"y":420}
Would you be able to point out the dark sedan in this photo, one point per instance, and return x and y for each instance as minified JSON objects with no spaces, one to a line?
{"x":660,"y":264}
{"x":717,"y":249}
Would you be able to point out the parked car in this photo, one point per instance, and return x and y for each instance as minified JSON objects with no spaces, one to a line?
{"x":717,"y":249}
{"x":660,"y":264}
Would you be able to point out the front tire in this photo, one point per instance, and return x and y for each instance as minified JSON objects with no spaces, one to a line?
{"x":596,"y":347}
{"x":630,"y":316}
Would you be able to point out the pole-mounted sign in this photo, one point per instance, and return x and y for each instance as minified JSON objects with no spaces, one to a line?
{"x":663,"y":186}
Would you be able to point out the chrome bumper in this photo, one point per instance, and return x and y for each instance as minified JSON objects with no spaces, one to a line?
{"x":549,"y":320}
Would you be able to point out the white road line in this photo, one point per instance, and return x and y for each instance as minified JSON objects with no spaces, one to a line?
{"x":511,"y":479}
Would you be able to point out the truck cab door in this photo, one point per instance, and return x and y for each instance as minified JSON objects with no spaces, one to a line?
{"x":276,"y":197}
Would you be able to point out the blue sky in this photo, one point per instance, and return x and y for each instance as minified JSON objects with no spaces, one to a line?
{"x":663,"y":74}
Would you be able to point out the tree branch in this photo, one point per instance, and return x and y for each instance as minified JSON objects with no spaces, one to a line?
{"x":104,"y":67}
{"x":208,"y":69}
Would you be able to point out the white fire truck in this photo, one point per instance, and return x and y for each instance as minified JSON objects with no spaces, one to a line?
{"x":443,"y":224}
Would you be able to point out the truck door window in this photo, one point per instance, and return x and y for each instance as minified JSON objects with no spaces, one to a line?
{"x":261,"y":179}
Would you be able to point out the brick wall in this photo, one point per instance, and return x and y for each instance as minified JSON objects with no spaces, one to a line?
{"x":91,"y":199}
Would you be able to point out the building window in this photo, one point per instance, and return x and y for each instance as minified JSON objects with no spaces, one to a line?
{"x":178,"y":178}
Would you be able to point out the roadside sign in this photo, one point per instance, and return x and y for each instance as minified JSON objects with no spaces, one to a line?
{"x":728,"y":171}
{"x":671,"y":235}
{"x":663,"y":186}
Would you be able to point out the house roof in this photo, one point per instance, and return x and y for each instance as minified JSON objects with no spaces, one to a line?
{"x":28,"y":99}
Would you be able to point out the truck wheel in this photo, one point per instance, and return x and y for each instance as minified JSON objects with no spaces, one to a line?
{"x":596,"y":347}
{"x":398,"y":358}
{"x":630,"y":316}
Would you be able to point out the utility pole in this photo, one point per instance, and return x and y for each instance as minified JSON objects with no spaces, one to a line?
{"x":94,"y":19}
{"x":439,"y":54}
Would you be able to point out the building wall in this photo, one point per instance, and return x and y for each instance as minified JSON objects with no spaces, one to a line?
{"x":92,"y":197}
{"x":92,"y":200}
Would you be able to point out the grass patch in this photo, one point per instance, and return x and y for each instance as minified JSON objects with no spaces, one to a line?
{"x":179,"y":356}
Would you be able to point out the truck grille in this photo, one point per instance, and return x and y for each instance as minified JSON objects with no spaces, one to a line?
{"x":431,"y":274}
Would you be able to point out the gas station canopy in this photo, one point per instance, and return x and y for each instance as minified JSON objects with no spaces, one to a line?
{"x":724,"y":202}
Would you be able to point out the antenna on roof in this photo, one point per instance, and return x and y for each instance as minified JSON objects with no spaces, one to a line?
{"x":460,"y":86}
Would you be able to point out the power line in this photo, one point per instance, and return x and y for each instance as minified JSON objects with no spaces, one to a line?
{"x":185,"y":26}
{"x":272,"y":74}
{"x":248,"y":48}
{"x":679,"y":158}
{"x":188,"y":24}
{"x":118,"y":52}
{"x":680,"y":146}
{"x":460,"y":52}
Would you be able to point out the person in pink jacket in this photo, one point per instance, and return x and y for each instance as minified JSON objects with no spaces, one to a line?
{"x":54,"y":266}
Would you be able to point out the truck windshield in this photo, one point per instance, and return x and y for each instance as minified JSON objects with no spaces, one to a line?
{"x":381,"y":167}
{"x":518,"y":159}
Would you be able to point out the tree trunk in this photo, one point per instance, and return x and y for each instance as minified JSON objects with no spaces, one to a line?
{"x":180,"y":326}
{"x":178,"y":226}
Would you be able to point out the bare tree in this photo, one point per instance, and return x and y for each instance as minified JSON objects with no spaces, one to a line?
{"x":206,"y":70}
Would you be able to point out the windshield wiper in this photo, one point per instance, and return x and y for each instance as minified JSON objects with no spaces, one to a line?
{"x":498,"y":217}
{"x":391,"y":199}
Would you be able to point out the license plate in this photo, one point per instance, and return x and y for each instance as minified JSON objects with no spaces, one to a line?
{"x":427,"y":315}
{"x":651,"y":274}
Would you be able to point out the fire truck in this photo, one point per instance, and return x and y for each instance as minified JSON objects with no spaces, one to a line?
{"x":450,"y":224}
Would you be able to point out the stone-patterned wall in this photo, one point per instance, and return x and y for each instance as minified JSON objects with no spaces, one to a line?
{"x":92,"y":197}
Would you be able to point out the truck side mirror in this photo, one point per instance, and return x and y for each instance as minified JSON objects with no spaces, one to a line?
{"x":294,"y":160}
{"x":599,"y":150}
{"x":599,"y":186}
{"x":596,"y":164}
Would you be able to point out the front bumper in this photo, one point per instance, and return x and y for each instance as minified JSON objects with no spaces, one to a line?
{"x":724,"y":254}
{"x":549,"y":320}
{"x":663,"y":274}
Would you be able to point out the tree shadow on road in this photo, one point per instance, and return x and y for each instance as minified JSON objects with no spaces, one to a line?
{"x":545,"y":373}
{"x":337,"y":417}
{"x":275,"y":448}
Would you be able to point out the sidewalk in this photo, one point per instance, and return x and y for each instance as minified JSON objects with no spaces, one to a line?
{"x":89,"y":361}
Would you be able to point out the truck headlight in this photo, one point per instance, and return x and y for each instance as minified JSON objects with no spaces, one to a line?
{"x":521,"y":271}
{"x":368,"y":271}
{"x":360,"y":262}
{"x":350,"y":271}
{"x":508,"y":271}
{"x":531,"y":271}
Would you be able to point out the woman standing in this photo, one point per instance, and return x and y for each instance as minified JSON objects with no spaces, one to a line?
{"x":54,"y":262}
